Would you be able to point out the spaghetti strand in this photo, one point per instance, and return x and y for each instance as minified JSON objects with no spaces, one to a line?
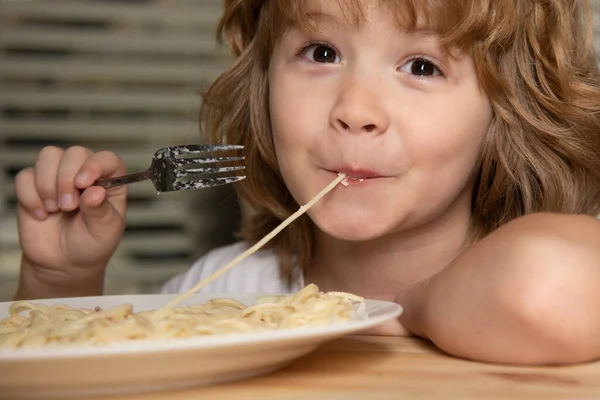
{"x":64,"y":325}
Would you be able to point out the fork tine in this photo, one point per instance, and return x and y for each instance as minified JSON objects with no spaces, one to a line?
{"x":205,"y":183}
{"x":205,"y":148}
{"x":207,"y":160}
{"x":207,"y":170}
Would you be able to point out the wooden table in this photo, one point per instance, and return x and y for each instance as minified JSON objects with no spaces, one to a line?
{"x":374,"y":368}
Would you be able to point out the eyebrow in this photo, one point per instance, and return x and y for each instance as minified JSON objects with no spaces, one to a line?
{"x":323,"y":18}
{"x":332,"y":21}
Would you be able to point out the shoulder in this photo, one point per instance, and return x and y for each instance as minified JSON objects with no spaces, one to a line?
{"x":536,"y":284}
{"x":258,"y":273}
{"x":549,"y":238}
{"x":541,"y":240}
{"x":542,"y":259}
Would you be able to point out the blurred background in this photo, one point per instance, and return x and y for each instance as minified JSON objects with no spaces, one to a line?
{"x":122,"y":75}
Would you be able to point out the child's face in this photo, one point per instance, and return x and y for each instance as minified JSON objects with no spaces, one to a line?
{"x":375,"y":103}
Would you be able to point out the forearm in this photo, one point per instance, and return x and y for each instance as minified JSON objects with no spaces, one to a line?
{"x":474,"y":321}
{"x":529,"y":294}
{"x":33,"y":286}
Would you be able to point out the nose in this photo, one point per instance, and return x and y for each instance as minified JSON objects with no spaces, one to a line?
{"x":360,"y":108}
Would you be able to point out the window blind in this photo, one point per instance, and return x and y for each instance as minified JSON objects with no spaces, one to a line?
{"x":119,"y":75}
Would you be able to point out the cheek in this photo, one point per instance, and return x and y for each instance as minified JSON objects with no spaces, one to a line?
{"x":280,"y":103}
{"x":296,"y":115}
{"x":278,"y":116}
{"x":287,"y":132}
{"x":284,"y":137}
{"x":451,"y":141}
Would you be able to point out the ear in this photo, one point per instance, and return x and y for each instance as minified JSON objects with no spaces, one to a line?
{"x":238,"y":23}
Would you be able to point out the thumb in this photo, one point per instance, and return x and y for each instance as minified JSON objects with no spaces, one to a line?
{"x":102,"y":218}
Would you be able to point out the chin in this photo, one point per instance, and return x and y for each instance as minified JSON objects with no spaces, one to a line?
{"x":351,"y":229}
{"x":353,"y":235}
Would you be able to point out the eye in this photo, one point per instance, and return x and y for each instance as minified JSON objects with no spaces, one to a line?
{"x":320,"y":53}
{"x":421,"y":67}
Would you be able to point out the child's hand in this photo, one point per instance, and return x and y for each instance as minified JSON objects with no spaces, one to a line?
{"x":68,"y":230}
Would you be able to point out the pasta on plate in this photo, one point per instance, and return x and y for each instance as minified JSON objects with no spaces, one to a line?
{"x":32,"y":325}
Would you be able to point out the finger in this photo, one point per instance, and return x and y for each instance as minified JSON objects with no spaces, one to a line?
{"x":104,"y":164}
{"x":27,"y":195}
{"x":101,"y":217}
{"x":46,"y":167}
{"x":70,"y":164}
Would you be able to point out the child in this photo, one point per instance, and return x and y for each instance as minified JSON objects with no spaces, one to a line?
{"x":470,"y":132}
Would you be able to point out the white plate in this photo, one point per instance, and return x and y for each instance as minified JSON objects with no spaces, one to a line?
{"x":146,"y":366}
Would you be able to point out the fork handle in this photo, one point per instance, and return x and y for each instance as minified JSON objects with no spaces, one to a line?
{"x":108,"y":183}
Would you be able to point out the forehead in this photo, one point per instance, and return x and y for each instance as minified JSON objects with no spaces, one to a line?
{"x":314,"y":14}
{"x":406,"y":12}
{"x":456,"y":22}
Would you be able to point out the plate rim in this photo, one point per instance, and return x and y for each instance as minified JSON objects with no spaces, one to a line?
{"x":198,"y":343}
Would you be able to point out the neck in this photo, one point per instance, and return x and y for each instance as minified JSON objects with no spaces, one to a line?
{"x":384,"y":267}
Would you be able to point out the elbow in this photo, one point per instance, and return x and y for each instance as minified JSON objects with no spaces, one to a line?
{"x":556,"y":322}
{"x":553,"y":293}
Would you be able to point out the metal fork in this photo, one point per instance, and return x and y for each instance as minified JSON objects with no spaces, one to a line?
{"x":186,"y":167}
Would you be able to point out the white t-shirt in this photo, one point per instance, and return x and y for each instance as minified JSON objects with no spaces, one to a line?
{"x":258,"y":273}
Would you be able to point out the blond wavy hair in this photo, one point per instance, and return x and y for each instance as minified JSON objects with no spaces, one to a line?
{"x":534,"y":60}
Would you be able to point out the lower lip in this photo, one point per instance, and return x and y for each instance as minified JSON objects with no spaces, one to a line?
{"x":358,"y":181}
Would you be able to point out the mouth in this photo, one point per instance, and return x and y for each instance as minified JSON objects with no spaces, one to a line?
{"x":360,"y":178}
{"x":356,"y":176}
